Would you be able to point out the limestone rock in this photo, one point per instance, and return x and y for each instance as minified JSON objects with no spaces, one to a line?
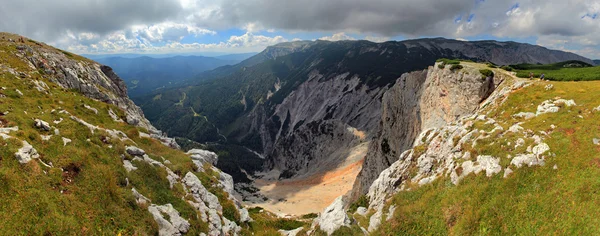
{"x":139,"y":198}
{"x":26,"y":153}
{"x":42,"y":125}
{"x":135,"y":151}
{"x":362,"y":211}
{"x":507,"y":172}
{"x":333,"y":217}
{"x":129,"y":166}
{"x":526,"y":159}
{"x":174,"y":226}
{"x":66,"y":141}
{"x":204,"y":156}
{"x":525,"y":115}
{"x":292,"y":232}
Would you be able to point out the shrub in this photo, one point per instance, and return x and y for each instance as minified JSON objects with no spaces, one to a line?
{"x":491,"y":65}
{"x":485,"y":73}
{"x":363,"y":201}
{"x":456,"y":67}
{"x":447,"y":61}
{"x":507,"y":68}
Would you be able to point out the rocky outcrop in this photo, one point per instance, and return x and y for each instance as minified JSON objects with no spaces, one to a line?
{"x":333,"y":217}
{"x":203,"y":156}
{"x":174,"y":225}
{"x":87,"y":77}
{"x":420,"y":101}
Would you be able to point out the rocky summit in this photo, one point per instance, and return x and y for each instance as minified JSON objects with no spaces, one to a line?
{"x":305,"y":138}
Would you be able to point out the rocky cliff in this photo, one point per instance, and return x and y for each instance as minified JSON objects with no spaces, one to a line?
{"x":420,"y":101}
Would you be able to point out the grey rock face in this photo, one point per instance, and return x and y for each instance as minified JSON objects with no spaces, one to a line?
{"x":420,"y":101}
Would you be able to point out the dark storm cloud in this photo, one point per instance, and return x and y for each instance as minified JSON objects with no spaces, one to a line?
{"x":47,"y":20}
{"x":385,"y":17}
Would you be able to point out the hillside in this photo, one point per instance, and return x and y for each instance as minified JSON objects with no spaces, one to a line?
{"x":304,"y":89}
{"x":146,"y":74}
{"x":523,"y":162}
{"x":77,"y":157}
{"x":563,"y":71}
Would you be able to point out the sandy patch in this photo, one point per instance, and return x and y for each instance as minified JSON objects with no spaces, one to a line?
{"x":313,"y":193}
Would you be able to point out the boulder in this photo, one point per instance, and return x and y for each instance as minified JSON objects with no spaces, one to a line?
{"x":292,"y":232}
{"x":362,"y":211}
{"x":204,"y":156}
{"x":26,"y":153}
{"x":42,"y":125}
{"x":333,"y":217}
{"x":128,"y":166}
{"x":135,"y":151}
{"x":175,"y":225}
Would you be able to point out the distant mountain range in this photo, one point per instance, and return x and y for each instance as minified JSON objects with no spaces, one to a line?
{"x":597,"y":62}
{"x":146,"y":74}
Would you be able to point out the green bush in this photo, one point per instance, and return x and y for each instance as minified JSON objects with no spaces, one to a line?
{"x":456,"y":67}
{"x":485,"y":73}
{"x":447,"y":61}
{"x":507,"y":68}
{"x":491,"y":65}
{"x":363,"y":201}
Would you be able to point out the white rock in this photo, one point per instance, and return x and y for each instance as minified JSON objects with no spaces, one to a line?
{"x":26,"y":153}
{"x":293,"y":232}
{"x":362,"y":211}
{"x":526,"y":159}
{"x":19,"y":92}
{"x":204,"y":156}
{"x":566,"y":102}
{"x":333,"y":217}
{"x":91,"y":108}
{"x":139,"y":198}
{"x":174,"y":226}
{"x":490,"y":164}
{"x":507,"y":172}
{"x":199,"y":192}
{"x":56,"y":132}
{"x":58,"y":121}
{"x":391,"y":211}
{"x":46,"y":137}
{"x":547,"y":107}
{"x":555,"y":167}
{"x":520,"y":142}
{"x":515,"y":128}
{"x":596,"y":141}
{"x":549,"y":87}
{"x":135,"y":151}
{"x":65,"y":141}
{"x":114,"y":116}
{"x":540,"y":149}
{"x":128,"y":165}
{"x":43,"y":125}
{"x":375,"y":220}
{"x":597,"y":109}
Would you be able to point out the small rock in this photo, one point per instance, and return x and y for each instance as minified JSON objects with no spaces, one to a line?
{"x":19,"y":92}
{"x":524,"y":115}
{"x":596,"y":141}
{"x":91,"y":108}
{"x":540,"y":149}
{"x":507,"y":172}
{"x":43,"y":125}
{"x":362,"y":211}
{"x":549,"y":87}
{"x":555,"y":167}
{"x":65,"y":141}
{"x":139,"y":198}
{"x":128,"y":166}
{"x":135,"y":151}
{"x":45,"y":137}
{"x":174,"y":226}
{"x":293,"y":232}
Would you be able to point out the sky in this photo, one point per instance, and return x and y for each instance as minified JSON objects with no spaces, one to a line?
{"x":238,"y":26}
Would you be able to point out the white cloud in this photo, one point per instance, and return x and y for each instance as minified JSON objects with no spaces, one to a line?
{"x":337,"y":37}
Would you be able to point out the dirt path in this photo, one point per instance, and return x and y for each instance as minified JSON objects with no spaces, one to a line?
{"x":312,"y":194}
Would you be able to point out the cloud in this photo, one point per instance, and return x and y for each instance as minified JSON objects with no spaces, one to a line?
{"x":155,"y":23}
{"x":377,"y":39}
{"x":337,"y":37}
{"x":49,"y":20}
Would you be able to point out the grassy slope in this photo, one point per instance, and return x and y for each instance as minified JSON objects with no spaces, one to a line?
{"x":557,"y":72}
{"x":94,"y":200}
{"x":538,"y":200}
